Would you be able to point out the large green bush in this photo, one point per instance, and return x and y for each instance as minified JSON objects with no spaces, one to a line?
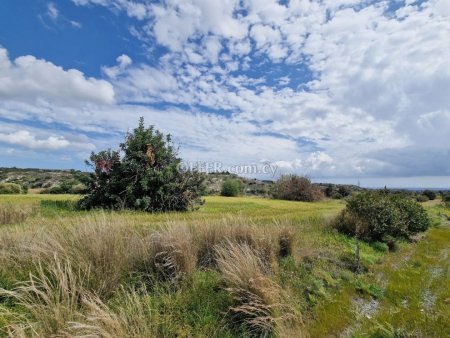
{"x":296,"y":188}
{"x":430,"y":194}
{"x":231,"y":187}
{"x":145,"y":174}
{"x":380,"y":216}
{"x":10,"y":188}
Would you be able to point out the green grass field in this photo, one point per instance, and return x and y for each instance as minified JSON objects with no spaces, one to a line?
{"x":400,"y":294}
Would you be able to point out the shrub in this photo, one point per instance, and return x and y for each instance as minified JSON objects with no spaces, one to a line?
{"x":66,"y":187}
{"x":144,"y":175}
{"x":413,"y":217}
{"x":378,"y":216}
{"x":296,"y":188}
{"x":430,"y":194}
{"x":231,"y":187}
{"x":10,"y":188}
{"x":446,"y":200}
{"x":422,"y":198}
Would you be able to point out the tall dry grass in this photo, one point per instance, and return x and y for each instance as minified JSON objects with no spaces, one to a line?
{"x":134,"y":318}
{"x":106,"y":251}
{"x":10,"y":214}
{"x":68,"y":272}
{"x":260,"y":303}
{"x":51,"y":299}
{"x":173,"y":253}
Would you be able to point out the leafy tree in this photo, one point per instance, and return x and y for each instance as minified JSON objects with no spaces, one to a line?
{"x":231,"y":187}
{"x":145,"y":174}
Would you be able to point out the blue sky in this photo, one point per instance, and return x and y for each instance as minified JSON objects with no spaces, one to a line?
{"x":341,"y":90}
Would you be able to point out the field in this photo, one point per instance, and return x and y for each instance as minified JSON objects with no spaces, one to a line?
{"x":112,"y":274}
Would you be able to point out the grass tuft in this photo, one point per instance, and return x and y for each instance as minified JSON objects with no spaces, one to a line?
{"x":258,"y":300}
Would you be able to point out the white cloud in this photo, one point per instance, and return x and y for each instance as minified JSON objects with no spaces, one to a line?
{"x":76,"y":24}
{"x":377,"y":99}
{"x":52,"y":11}
{"x":32,"y":80}
{"x":28,"y":140}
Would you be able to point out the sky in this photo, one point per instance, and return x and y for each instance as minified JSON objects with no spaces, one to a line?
{"x":339,"y":90}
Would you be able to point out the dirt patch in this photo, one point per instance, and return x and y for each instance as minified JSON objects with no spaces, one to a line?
{"x":365,"y":308}
{"x":428,"y":300}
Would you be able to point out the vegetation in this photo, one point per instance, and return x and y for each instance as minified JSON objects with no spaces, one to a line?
{"x":272,"y":269}
{"x":296,"y":188}
{"x":42,"y":179}
{"x":147,"y":177}
{"x":380,"y":216}
{"x":430,"y":194}
{"x":71,"y":186}
{"x":446,"y":200}
{"x":10,"y":188}
{"x":231,"y":188}
{"x":10,"y":214}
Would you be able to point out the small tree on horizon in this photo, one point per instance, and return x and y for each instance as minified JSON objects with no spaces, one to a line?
{"x":145,"y":174}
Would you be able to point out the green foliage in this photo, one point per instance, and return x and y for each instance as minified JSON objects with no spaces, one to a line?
{"x":380,"y":216}
{"x":144,"y":174}
{"x":296,"y":188}
{"x":446,"y":200}
{"x":231,"y":187}
{"x":430,"y":194}
{"x":367,"y":288}
{"x":380,"y":246}
{"x":11,"y":188}
{"x":422,"y":198}
{"x":71,"y":186}
{"x":58,"y":205}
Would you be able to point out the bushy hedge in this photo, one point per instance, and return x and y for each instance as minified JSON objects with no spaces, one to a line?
{"x":296,"y":188}
{"x":231,"y":187}
{"x":11,"y":188}
{"x":380,"y":216}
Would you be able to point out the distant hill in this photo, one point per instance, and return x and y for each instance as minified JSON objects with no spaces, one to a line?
{"x":38,"y":179}
{"x":70,"y":181}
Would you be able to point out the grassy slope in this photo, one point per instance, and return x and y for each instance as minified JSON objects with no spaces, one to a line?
{"x":409,"y":287}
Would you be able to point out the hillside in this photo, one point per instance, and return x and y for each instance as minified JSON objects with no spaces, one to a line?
{"x":37,"y":180}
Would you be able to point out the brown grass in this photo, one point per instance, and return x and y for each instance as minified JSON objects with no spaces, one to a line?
{"x":10,"y":214}
{"x":286,"y":242}
{"x":78,"y":266}
{"x":173,"y":254}
{"x":132,"y":319}
{"x":259,"y":303}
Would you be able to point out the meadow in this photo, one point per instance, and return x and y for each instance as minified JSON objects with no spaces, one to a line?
{"x":236,"y":267}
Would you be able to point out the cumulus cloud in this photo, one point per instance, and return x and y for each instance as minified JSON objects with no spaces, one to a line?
{"x":29,"y":79}
{"x":28,"y":140}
